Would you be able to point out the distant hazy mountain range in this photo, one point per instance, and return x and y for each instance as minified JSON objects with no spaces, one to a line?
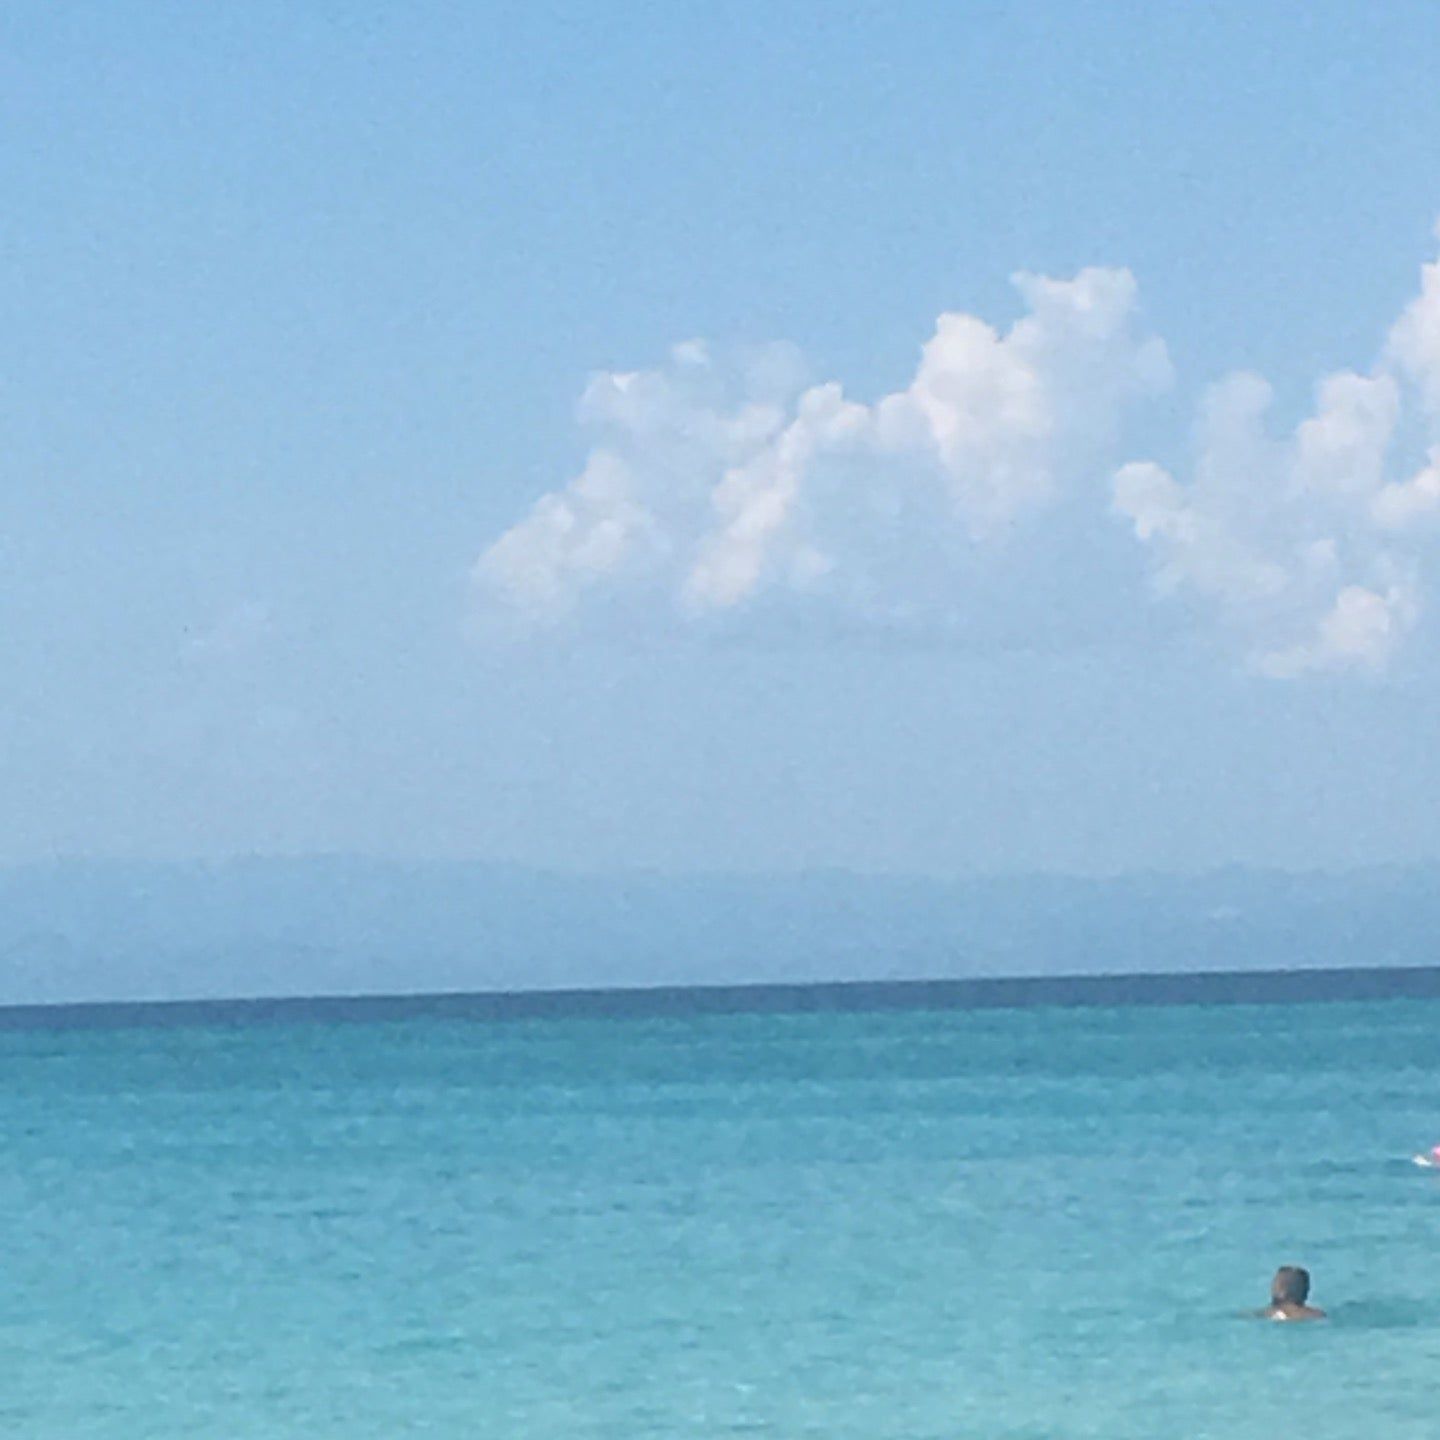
{"x":112,"y":930}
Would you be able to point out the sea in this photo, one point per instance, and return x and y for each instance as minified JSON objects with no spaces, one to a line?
{"x":874,"y":1214}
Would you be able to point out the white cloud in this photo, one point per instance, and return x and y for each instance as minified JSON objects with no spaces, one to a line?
{"x":1200,"y":549}
{"x":1414,"y":345}
{"x":572,"y":539}
{"x":1358,"y":631}
{"x":1403,"y":504}
{"x":754,"y":505}
{"x":1307,"y":548}
{"x":1279,"y":535}
{"x":993,"y":412}
{"x":714,"y":484}
{"x":1340,"y":450}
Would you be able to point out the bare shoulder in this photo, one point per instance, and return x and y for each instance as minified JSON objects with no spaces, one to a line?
{"x":1287,"y":1313}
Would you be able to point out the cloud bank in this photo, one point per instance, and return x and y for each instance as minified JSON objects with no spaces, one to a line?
{"x":722,"y":485}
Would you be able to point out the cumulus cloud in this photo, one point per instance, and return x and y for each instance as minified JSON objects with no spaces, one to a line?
{"x":720,"y":485}
{"x":713,"y":483}
{"x":1414,"y":345}
{"x":1403,"y":504}
{"x":1309,"y":546}
{"x":1359,"y":629}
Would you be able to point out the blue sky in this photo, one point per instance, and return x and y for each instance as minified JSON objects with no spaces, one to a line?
{"x":307,"y":307}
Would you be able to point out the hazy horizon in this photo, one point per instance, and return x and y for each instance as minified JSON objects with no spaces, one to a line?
{"x":98,"y":930}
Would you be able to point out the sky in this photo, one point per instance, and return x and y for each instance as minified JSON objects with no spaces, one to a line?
{"x":951,"y":439}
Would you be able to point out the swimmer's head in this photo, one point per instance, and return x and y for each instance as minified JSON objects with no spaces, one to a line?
{"x":1291,"y":1286}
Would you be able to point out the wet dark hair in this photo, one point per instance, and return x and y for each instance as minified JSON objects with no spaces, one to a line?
{"x":1292,"y":1283}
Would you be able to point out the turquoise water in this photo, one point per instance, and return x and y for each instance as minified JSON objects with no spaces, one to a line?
{"x":1020,"y":1223}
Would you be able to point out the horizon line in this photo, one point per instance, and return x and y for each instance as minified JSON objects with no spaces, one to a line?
{"x":1121,"y":989}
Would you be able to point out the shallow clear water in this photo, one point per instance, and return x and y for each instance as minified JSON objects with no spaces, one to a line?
{"x":1023,"y":1223}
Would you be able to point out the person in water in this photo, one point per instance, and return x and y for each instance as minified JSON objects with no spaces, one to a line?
{"x":1289,"y":1292}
